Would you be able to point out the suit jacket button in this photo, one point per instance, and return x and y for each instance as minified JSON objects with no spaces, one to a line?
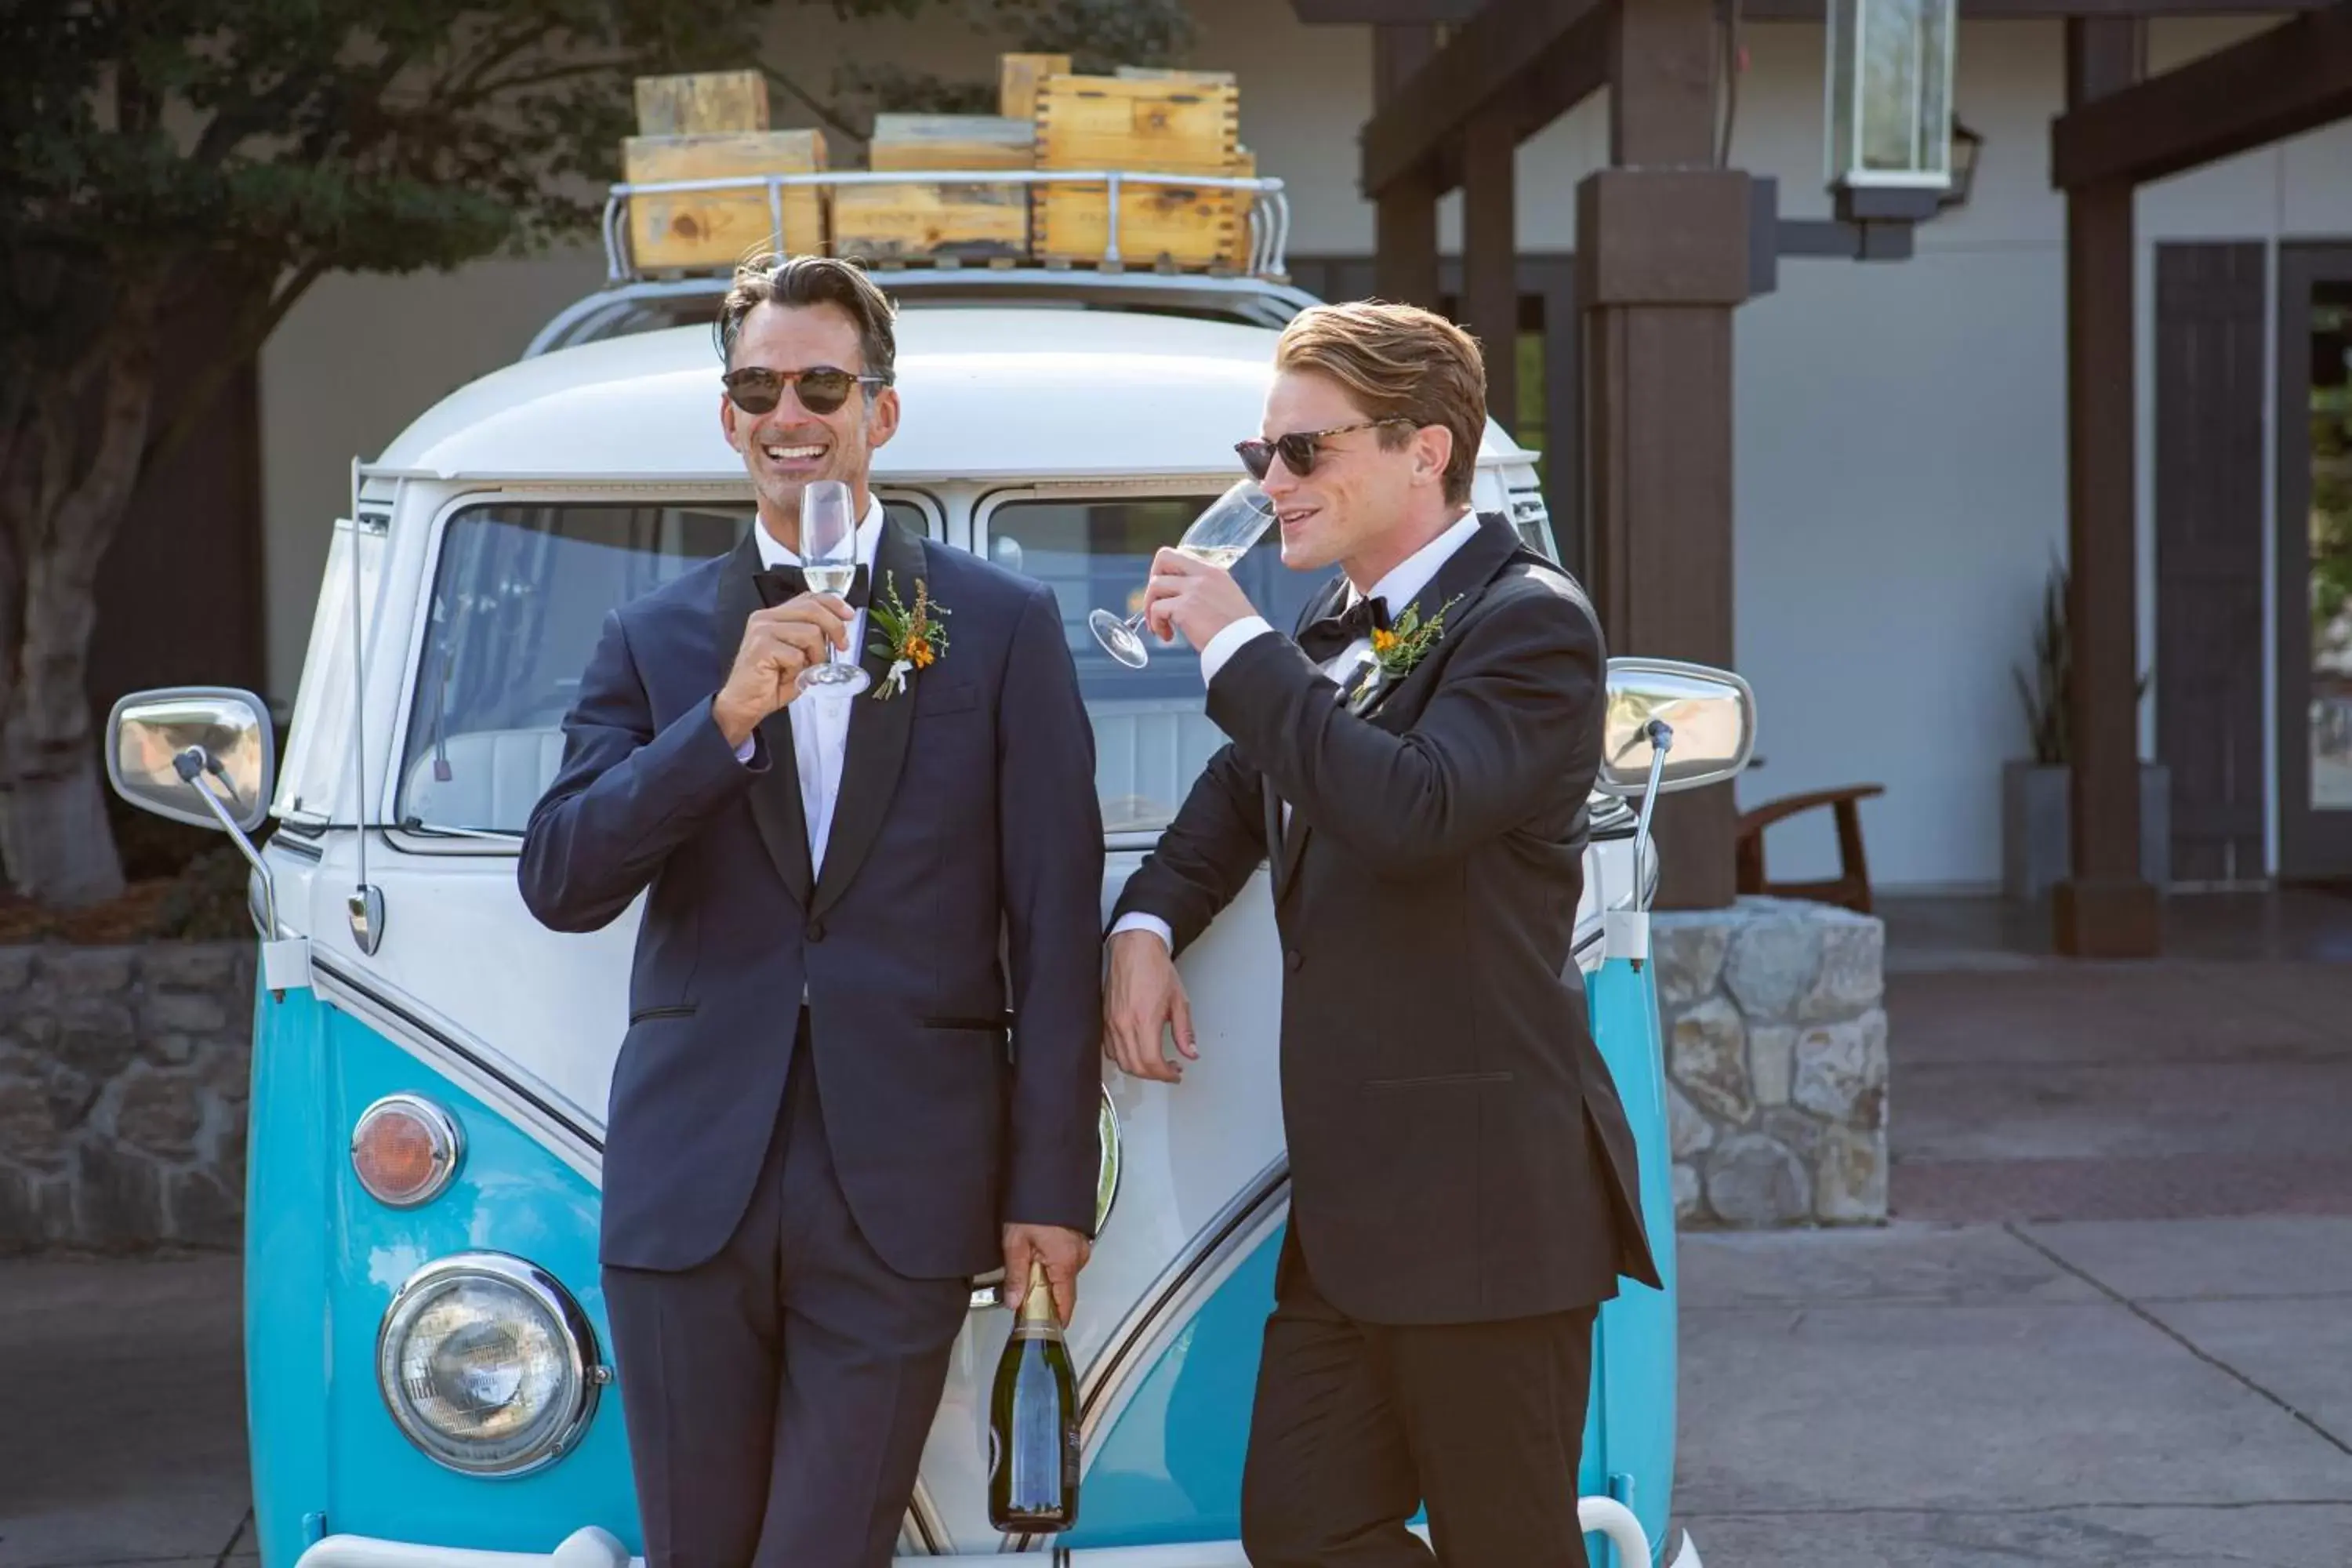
{"x":1295,"y":959}
{"x":816,"y":930}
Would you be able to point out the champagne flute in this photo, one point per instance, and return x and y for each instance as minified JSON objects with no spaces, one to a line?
{"x":1221,"y":535}
{"x":829,"y":562}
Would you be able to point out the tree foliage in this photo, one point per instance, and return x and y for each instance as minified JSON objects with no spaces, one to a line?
{"x":158,"y":156}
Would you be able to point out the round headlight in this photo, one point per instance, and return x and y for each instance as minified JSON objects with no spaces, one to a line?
{"x":487,"y":1364}
{"x":1106,"y":1172}
{"x":404,"y":1150}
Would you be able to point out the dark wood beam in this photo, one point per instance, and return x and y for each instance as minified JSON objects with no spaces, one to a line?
{"x":2105,"y":909}
{"x":1661,"y":250}
{"x":1490,"y":256}
{"x":1404,"y":246}
{"x":2293,"y":78}
{"x":1670,"y":123}
{"x":1405,"y":12}
{"x":1541,"y":57}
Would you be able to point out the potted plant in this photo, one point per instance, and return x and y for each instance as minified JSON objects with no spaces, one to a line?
{"x":2036,"y":848}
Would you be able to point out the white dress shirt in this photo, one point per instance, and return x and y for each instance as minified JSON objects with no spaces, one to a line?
{"x":821,"y":724}
{"x":1410,"y":576}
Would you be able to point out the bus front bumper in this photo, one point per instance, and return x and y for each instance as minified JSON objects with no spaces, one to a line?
{"x":594,"y":1548}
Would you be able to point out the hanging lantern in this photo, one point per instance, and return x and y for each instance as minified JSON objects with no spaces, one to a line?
{"x":1890,"y":106}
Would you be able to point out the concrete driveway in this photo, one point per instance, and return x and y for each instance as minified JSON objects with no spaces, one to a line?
{"x":2171,"y":1392}
{"x":121,"y":1413}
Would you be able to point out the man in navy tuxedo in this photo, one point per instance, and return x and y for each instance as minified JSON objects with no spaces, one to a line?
{"x":861,"y":1062}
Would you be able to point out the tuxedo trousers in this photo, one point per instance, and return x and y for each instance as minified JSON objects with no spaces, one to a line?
{"x":1358,"y":1425}
{"x":778,"y":1394}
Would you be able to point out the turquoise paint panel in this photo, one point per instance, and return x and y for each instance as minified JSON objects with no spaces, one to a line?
{"x":286,"y":1229}
{"x":1170,"y":1468}
{"x":329,"y":1259}
{"x":1634,"y":1356}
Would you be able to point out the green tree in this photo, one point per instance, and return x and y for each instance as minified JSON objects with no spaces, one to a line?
{"x":158,"y":156}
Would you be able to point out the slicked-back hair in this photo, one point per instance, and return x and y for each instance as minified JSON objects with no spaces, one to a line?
{"x":803,"y":281}
{"x":1398,"y":361}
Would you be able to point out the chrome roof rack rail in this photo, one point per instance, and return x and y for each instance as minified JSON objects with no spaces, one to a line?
{"x":1260,"y":293}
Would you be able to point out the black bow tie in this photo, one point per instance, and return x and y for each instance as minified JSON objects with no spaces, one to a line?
{"x":780,"y":584}
{"x":1333,"y":634}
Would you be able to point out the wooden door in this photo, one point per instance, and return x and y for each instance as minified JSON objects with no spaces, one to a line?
{"x":2210,"y":318}
{"x":2314,"y":562}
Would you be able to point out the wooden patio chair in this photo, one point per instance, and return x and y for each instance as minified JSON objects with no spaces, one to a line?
{"x":1850,"y":887}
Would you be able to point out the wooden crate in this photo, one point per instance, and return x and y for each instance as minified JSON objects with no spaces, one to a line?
{"x":1176,"y":226}
{"x":951,"y":142}
{"x":1174,"y":126}
{"x":701,"y":103}
{"x":969,"y":222}
{"x":701,"y":229}
{"x":915,"y":223}
{"x":1160,"y":73}
{"x":1017,"y":79}
{"x":1159,"y":124}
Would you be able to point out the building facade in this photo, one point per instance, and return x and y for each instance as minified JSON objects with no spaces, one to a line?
{"x":1900,"y":431}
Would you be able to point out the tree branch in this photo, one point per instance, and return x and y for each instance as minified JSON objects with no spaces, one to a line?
{"x":194,"y":403}
{"x":85,"y":517}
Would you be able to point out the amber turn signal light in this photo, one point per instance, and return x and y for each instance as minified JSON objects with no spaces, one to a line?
{"x":404,"y":1150}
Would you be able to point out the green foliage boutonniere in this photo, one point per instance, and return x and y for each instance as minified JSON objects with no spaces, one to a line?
{"x":911,"y":640}
{"x":1399,"y":645}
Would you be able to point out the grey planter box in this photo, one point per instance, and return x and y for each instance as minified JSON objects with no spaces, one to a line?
{"x":2035,"y":849}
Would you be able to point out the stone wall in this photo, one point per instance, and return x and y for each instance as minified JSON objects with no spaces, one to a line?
{"x":123,"y":1073}
{"x":1775,"y":1024}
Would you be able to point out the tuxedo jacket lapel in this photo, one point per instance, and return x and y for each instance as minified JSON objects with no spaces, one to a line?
{"x":1286,"y":839}
{"x":775,"y":795}
{"x":1463,"y":579}
{"x":879,"y":728}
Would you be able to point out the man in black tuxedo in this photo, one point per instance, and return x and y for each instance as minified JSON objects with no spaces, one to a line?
{"x":1415,"y":765}
{"x":837,"y":1103}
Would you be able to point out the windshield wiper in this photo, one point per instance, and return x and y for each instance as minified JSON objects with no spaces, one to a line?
{"x":494,"y":835}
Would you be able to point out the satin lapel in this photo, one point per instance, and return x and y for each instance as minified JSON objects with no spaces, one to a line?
{"x":879,"y":730}
{"x":776,"y":794}
{"x":1289,"y":839}
{"x":1464,"y":578}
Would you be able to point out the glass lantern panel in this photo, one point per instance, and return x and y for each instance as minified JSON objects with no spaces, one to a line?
{"x":1890,"y":92}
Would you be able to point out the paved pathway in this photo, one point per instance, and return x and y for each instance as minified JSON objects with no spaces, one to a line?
{"x":2101,"y":1395}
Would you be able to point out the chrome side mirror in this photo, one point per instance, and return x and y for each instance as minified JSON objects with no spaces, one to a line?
{"x":198,"y":754}
{"x":1709,"y":713}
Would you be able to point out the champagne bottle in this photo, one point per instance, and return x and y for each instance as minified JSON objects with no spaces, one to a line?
{"x":1033,"y":1423}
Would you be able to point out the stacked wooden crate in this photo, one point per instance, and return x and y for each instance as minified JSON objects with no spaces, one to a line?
{"x":932,"y":221}
{"x":1161,"y":122}
{"x":709,"y":127}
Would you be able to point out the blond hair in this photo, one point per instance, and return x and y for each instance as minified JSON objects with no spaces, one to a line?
{"x":1400,"y":363}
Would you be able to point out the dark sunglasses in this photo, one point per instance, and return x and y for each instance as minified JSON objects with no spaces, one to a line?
{"x":755,"y":389}
{"x":1298,"y":449}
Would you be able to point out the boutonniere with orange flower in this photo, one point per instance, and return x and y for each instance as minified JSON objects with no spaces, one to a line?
{"x":911,"y":640}
{"x":1401,"y":645}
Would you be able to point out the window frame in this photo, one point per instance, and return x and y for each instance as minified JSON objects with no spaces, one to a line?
{"x":1162,"y":486}
{"x":399,"y":759}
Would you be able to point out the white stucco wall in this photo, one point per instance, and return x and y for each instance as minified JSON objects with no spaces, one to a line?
{"x":1901,"y":442}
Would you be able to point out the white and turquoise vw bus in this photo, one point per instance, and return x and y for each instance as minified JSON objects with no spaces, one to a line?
{"x":426,"y":1338}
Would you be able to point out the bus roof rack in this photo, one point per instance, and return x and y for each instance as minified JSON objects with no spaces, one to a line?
{"x":1269,"y":207}
{"x":654,"y":303}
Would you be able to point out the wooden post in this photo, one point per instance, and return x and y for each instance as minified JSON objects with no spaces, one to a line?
{"x":1404,"y":244}
{"x":1490,"y":255}
{"x":1662,"y":257}
{"x":2106,"y":908}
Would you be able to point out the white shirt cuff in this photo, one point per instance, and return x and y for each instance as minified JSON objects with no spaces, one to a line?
{"x":744,"y":753}
{"x":1139,"y":921}
{"x":1222,"y":645}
